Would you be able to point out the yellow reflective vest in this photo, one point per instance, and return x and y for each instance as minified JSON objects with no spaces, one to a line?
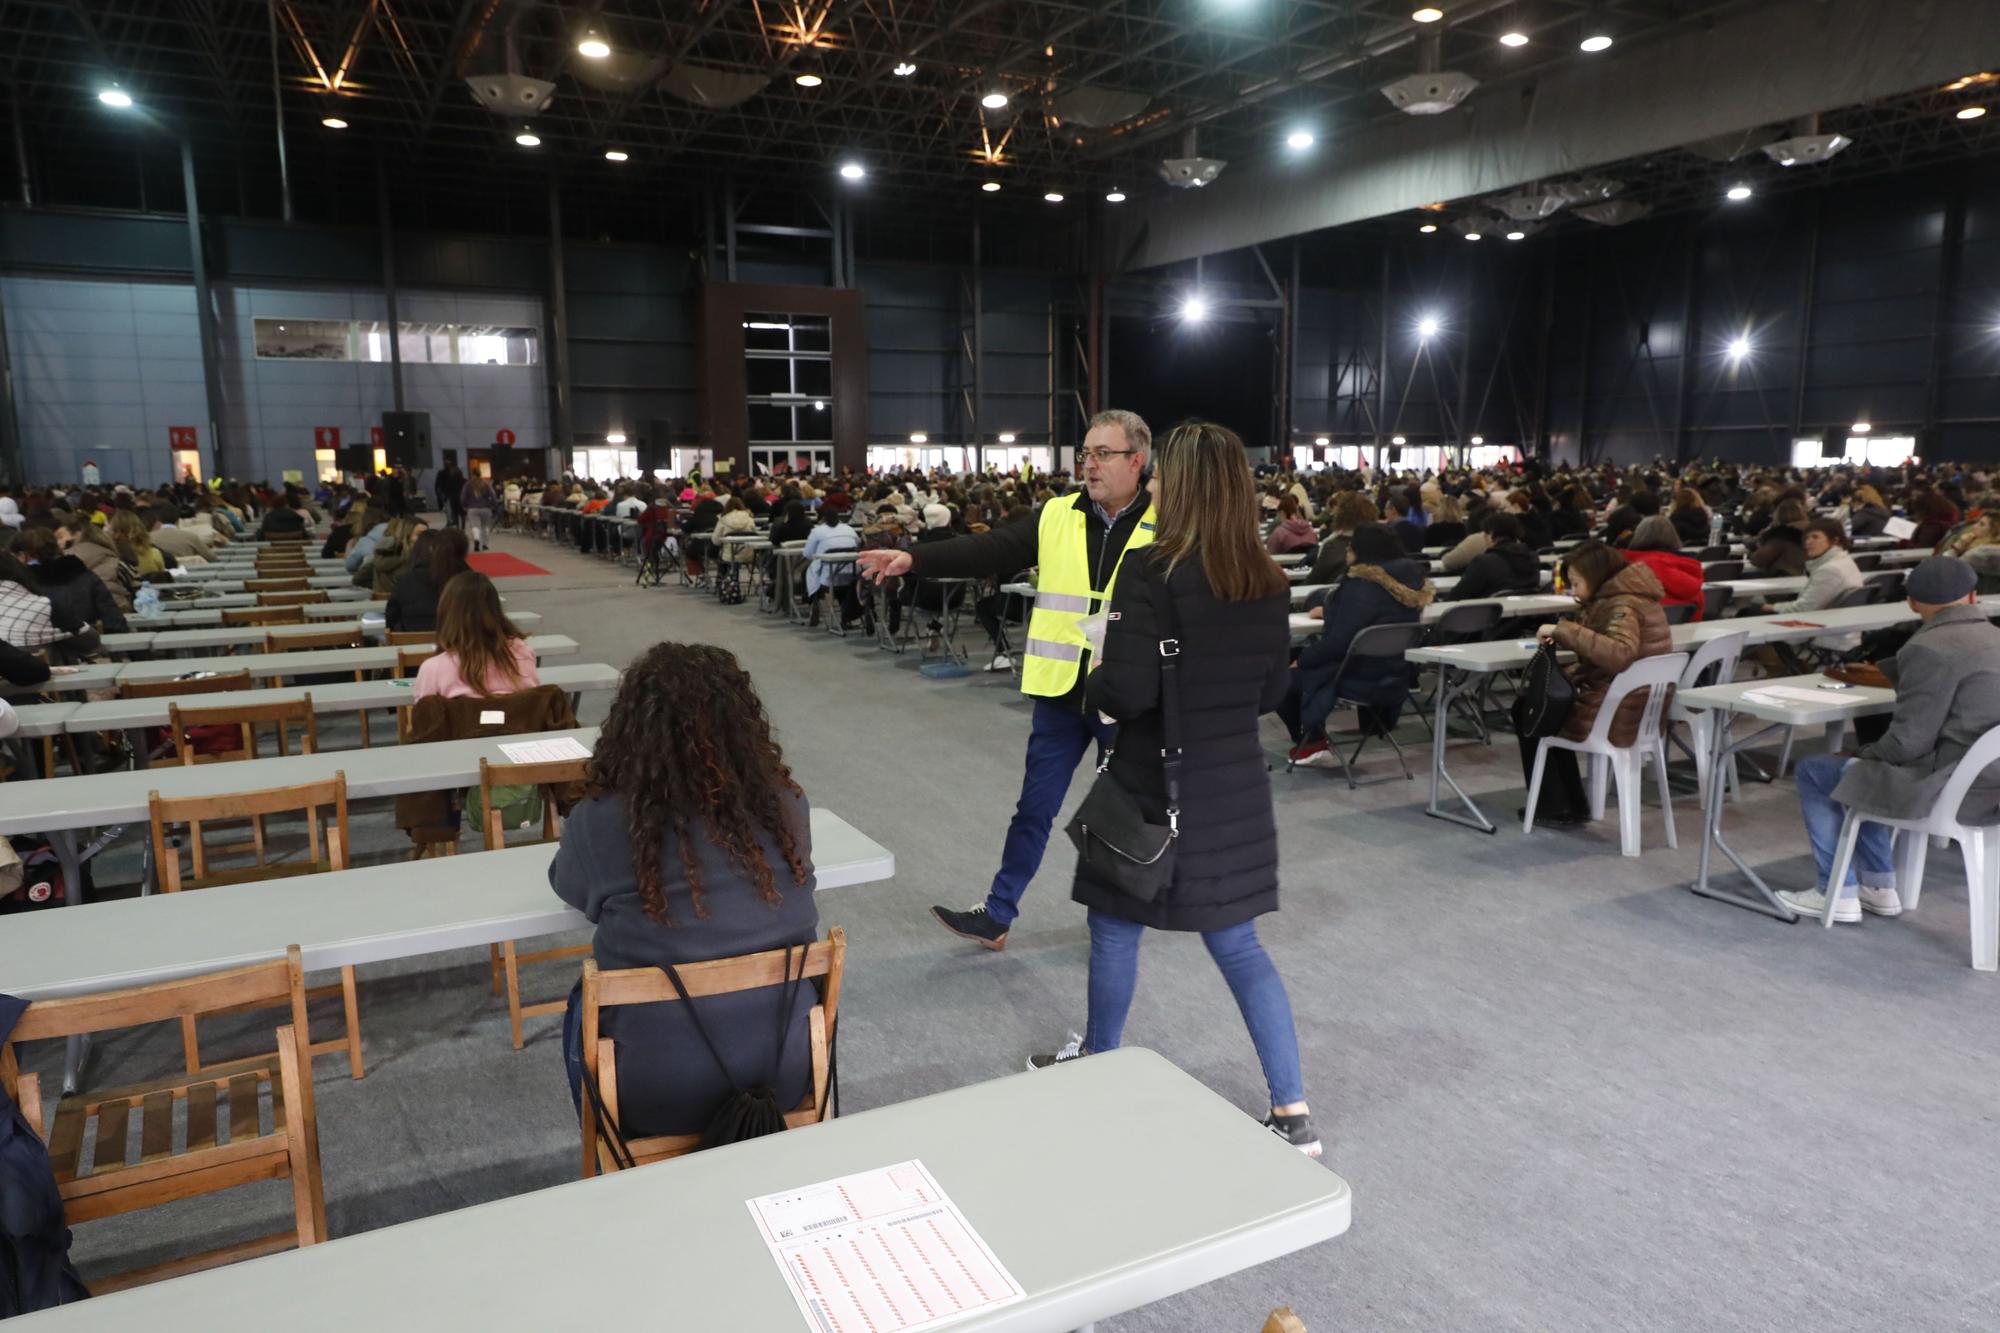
{"x":1064,"y":595}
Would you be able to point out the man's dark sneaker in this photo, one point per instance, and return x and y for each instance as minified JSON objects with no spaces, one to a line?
{"x":1296,"y":1130}
{"x":973,"y":924}
{"x":1071,"y":1050}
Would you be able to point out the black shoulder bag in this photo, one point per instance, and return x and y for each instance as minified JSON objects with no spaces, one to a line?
{"x":1111,"y":832}
{"x":743,"y":1113}
{"x":1546,"y":700}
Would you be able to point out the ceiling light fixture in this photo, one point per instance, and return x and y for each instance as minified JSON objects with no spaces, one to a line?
{"x":593,"y":45}
{"x":819,"y":405}
{"x":1427,"y":327}
{"x":1517,"y":235}
{"x":615,"y":437}
{"x":1116,"y":196}
{"x":1428,"y":228}
{"x":1971,"y":112}
{"x":993,"y":101}
{"x":905,"y":70}
{"x":1194,"y":309}
{"x":852,"y":171}
{"x":1596,"y":42}
{"x":1739,"y":347}
{"x":808,"y":80}
{"x":1054,"y":196}
{"x":1322,"y":440}
{"x":1479,"y":439}
{"x":114,"y":96}
{"x":333,"y":122}
{"x":918,"y":437}
{"x":1428,"y":14}
{"x":1397,"y":440}
{"x":527,"y":138}
{"x":1006,"y":437}
{"x":1738,"y":193}
{"x":1299,"y":140}
{"x":991,"y":187}
{"x":1513,"y":39}
{"x":1472,"y":236}
{"x":615,"y":155}
{"x":1861,"y":427}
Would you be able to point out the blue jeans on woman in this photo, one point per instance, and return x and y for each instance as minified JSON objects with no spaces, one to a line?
{"x":1252,"y":976}
{"x":1818,"y":775}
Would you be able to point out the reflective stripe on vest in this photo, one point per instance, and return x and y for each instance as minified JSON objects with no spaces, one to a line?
{"x":1064,"y":595}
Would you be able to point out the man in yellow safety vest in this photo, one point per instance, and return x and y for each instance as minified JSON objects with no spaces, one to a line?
{"x":1079,"y":542}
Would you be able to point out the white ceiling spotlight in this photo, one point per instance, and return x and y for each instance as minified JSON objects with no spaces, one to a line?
{"x":991,"y":187}
{"x":1594,"y":41}
{"x":853,"y":171}
{"x":1054,"y":196}
{"x":1322,"y":440}
{"x":1861,"y":427}
{"x":616,"y":155}
{"x":1479,"y":439}
{"x":1517,"y":235}
{"x":808,"y":79}
{"x":592,"y":44}
{"x":905,"y":69}
{"x":1513,"y":39}
{"x":993,"y":101}
{"x":1970,"y":112}
{"x":1115,"y":196}
{"x":115,"y":97}
{"x":1427,"y":14}
{"x":1195,"y":308}
{"x":1428,"y":228}
{"x":1428,"y":326}
{"x":1397,"y":440}
{"x":333,"y":122}
{"x":525,"y":136}
{"x":1739,"y":347}
{"x":615,"y":437}
{"x":1006,"y":437}
{"x":918,"y":437}
{"x":1737,"y":193}
{"x":1300,"y":140}
{"x":1473,"y":235}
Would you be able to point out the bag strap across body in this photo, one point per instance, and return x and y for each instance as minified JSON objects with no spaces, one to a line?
{"x":1170,"y":707}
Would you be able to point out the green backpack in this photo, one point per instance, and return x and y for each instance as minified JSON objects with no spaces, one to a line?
{"x":520,"y":806}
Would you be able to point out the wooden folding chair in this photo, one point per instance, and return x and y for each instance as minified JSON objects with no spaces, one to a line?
{"x":100,"y":1176}
{"x":503,"y":959}
{"x":283,"y":569}
{"x":408,"y":660}
{"x":824,"y":962}
{"x":160,"y":689}
{"x":312,"y":597}
{"x":327,"y":850}
{"x":280,"y":717}
{"x":400,"y":637}
{"x":324,"y":639}
{"x":276,"y":584}
{"x":242,"y":617}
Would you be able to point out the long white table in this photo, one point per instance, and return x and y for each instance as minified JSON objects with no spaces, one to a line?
{"x":1749,"y":698}
{"x":178,"y":618}
{"x":227,"y":601}
{"x":315,"y":662}
{"x":252,"y":636}
{"x":345,"y":918}
{"x":212,"y":579}
{"x":1088,"y":1232}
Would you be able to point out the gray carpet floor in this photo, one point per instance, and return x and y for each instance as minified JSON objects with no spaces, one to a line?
{"x":1568,"y":1094}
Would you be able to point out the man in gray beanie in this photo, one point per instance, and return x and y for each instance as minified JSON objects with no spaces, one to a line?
{"x":1947,"y":682}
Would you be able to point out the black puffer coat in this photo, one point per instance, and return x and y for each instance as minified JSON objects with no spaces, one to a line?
{"x":1232,"y":669}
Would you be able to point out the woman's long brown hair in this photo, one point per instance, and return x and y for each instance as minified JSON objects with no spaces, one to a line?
{"x":1208,"y":512}
{"x":688,"y":747}
{"x":472,"y":627}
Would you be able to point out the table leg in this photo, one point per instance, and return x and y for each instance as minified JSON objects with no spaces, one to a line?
{"x":1449,"y":685}
{"x":1724,"y":753}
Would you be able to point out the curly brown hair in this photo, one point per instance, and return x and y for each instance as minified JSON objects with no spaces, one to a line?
{"x":686,"y":738}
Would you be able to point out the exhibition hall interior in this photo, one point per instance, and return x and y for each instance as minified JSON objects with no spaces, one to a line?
{"x":865,"y":666}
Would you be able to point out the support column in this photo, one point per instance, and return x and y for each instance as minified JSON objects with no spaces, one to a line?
{"x":1288,"y":357}
{"x":728,"y":228}
{"x":979,"y":349}
{"x":1807,"y":287}
{"x":204,"y":314}
{"x":385,"y":224}
{"x":1382,"y":362}
{"x":558,"y":320}
{"x":1950,"y":251}
{"x":1465,"y":318}
{"x":13,"y":472}
{"x":1690,"y":342}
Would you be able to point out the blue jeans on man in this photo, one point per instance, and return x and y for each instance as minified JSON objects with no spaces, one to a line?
{"x":1058,"y":737}
{"x":1872,"y":864}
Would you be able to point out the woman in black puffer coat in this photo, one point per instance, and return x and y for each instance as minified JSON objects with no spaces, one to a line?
{"x":1229,"y":611}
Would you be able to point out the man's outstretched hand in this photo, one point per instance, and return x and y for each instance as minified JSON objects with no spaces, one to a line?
{"x":878,"y":565}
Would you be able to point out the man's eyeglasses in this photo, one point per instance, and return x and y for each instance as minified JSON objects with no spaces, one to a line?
{"x":1105,"y":455}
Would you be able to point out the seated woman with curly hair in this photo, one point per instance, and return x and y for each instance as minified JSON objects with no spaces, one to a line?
{"x":694,"y":843}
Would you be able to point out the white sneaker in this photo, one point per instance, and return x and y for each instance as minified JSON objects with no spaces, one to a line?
{"x":1000,"y":662}
{"x":1882,"y":902}
{"x":1070,"y":1050}
{"x":1812,"y":903}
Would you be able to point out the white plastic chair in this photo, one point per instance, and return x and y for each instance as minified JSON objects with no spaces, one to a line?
{"x":1980,"y":844}
{"x":1654,"y":675}
{"x":1713,"y":663}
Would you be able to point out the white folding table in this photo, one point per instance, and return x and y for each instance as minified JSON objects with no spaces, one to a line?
{"x":321,"y":661}
{"x":1088,"y":1228}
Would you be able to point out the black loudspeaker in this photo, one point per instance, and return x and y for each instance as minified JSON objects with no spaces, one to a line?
{"x":358,"y":458}
{"x":654,"y":445}
{"x":406,"y":438}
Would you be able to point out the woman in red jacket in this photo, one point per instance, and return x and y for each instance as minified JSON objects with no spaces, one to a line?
{"x":1657,"y":545}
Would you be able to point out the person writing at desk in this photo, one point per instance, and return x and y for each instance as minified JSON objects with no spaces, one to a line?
{"x":1080,"y":543}
{"x":1947,"y":683}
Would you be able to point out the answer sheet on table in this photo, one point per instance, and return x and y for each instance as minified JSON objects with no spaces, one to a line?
{"x":882,"y":1251}
{"x":544,"y":752}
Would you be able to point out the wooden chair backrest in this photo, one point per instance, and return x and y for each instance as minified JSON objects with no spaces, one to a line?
{"x":160,"y":689}
{"x":286,"y":537}
{"x":278,"y":980}
{"x":825,"y":960}
{"x":556,"y":772}
{"x":327,"y":638}
{"x":329,"y":846}
{"x":275,"y":584}
{"x":396,"y":637}
{"x":280,"y":717}
{"x":288,"y":569}
{"x":312,"y":597}
{"x":407,"y":661}
{"x":240,"y":617}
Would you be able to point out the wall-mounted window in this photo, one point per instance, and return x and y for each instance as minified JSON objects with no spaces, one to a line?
{"x":419,"y":344}
{"x":788,"y":376}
